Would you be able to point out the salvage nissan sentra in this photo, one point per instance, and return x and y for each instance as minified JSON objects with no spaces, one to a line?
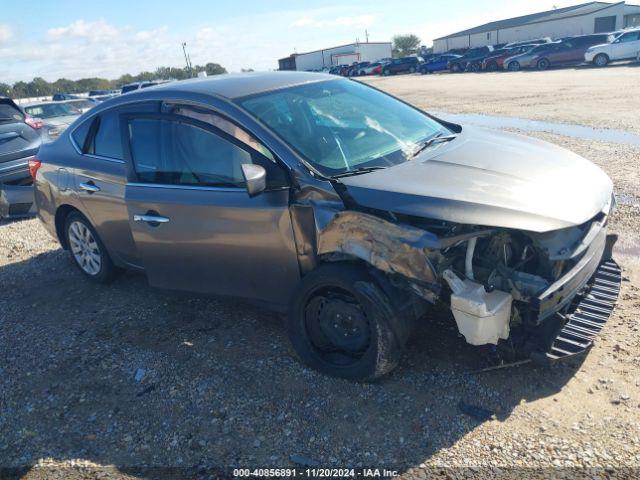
{"x":352,"y":209}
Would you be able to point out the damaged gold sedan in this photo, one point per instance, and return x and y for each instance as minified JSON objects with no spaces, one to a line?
{"x":352,"y":209}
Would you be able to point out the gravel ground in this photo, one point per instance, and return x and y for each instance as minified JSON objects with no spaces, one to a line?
{"x":123,"y":376}
{"x":596,"y":97}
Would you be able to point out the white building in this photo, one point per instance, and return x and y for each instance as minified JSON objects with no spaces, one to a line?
{"x":592,"y":17}
{"x":344,"y":54}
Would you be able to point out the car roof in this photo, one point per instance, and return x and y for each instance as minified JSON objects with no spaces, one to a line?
{"x":239,"y":85}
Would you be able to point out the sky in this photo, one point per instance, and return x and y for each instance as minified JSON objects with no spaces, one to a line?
{"x":76,"y":39}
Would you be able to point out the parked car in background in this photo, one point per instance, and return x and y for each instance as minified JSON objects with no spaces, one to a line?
{"x":536,"y":41}
{"x":102,"y":98}
{"x":95,"y":93}
{"x":131,"y":87}
{"x":402,"y":65}
{"x":496,"y":60}
{"x":60,"y":97}
{"x":356,"y":68}
{"x":19,"y":142}
{"x":625,"y":46}
{"x":437,"y":63}
{"x":83,"y":104}
{"x":371,"y":68}
{"x":472,"y":60}
{"x":568,"y":51}
{"x":524,"y":60}
{"x":393,"y":213}
{"x":55,"y":117}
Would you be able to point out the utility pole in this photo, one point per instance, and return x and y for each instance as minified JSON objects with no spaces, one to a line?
{"x":186,"y":58}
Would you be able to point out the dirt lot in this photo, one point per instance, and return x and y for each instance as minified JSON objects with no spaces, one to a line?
{"x":125,"y":376}
{"x":583,"y":95}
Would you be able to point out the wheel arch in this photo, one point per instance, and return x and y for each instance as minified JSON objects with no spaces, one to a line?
{"x":62,"y":212}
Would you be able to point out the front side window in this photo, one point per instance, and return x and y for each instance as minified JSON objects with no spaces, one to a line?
{"x":339,"y":126}
{"x":230,"y":128}
{"x":172,"y":152}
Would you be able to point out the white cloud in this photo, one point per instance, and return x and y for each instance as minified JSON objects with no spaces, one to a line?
{"x":90,"y":31}
{"x":5,"y":33}
{"x":357,"y":21}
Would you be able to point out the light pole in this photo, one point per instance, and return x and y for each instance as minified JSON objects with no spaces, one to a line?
{"x":186,"y":58}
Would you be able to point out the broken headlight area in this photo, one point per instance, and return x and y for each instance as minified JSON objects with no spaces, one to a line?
{"x":505,"y":287}
{"x":544,"y":295}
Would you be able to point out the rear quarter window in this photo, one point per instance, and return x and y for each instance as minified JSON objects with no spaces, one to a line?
{"x":79,"y":135}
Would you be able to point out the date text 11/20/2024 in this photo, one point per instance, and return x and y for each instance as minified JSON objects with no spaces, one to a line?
{"x":315,"y":472}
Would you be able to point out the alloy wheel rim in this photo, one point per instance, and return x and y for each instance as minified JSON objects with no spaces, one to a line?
{"x":84,"y":248}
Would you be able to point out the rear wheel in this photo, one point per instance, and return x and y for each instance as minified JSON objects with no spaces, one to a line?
{"x":543,"y":64}
{"x":601,"y":60}
{"x":455,"y":68}
{"x":513,"y":66}
{"x":475,"y":67}
{"x":342,"y":324}
{"x":87,"y":250}
{"x":386,"y":73}
{"x":412,"y":69}
{"x":492,"y":67}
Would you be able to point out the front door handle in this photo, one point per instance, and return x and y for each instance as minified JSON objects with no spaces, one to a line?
{"x":149,"y":218}
{"x":89,"y":187}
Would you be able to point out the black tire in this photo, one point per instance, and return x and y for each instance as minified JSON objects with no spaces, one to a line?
{"x":412,"y":69}
{"x":543,"y":64}
{"x":106,"y":271}
{"x":455,"y":68}
{"x":601,"y":60}
{"x":385,"y":73}
{"x":492,"y":67}
{"x":347,"y":295}
{"x":513,"y":66}
{"x":475,"y":67}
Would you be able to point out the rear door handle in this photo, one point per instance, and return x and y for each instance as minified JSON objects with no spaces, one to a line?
{"x":89,"y":187}
{"x":149,"y":218}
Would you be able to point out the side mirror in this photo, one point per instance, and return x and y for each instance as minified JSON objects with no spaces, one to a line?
{"x":255,"y":177}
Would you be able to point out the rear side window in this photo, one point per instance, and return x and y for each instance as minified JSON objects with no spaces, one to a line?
{"x":10,"y":114}
{"x":106,"y":138}
{"x":107,"y":142}
{"x":79,"y":135}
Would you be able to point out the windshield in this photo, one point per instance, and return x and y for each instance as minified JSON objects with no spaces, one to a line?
{"x":51,"y":110}
{"x":340,"y":125}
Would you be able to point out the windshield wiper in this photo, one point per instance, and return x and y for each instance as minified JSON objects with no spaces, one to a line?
{"x":358,"y":171}
{"x":427,"y":143}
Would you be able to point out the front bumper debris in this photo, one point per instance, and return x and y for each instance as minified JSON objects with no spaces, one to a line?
{"x":589,"y":314}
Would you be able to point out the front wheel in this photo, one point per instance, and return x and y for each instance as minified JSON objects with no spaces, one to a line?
{"x":342,"y":324}
{"x":88,"y":251}
{"x":412,"y":70}
{"x":513,"y":66}
{"x":455,"y":68}
{"x":601,"y":60}
{"x":386,"y":73}
{"x":475,"y":67}
{"x":543,"y":64}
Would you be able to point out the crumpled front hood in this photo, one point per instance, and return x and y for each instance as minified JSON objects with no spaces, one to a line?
{"x":490,"y":178}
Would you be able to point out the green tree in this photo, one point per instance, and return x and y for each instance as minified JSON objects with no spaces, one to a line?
{"x":6,"y":90}
{"x":214,"y":69}
{"x":404,"y":45}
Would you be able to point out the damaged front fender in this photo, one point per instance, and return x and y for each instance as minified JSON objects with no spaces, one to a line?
{"x":390,"y":247}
